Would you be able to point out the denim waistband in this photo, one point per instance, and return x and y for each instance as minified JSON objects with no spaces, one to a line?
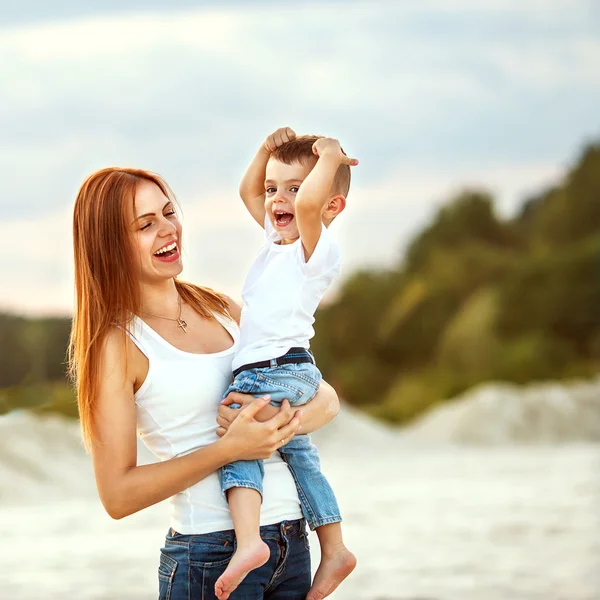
{"x":284,"y":528}
{"x":274,"y":531}
{"x":292,"y":356}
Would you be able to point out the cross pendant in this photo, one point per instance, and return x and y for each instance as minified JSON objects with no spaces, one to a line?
{"x":182,"y":324}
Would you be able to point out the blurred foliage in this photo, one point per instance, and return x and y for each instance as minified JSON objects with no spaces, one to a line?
{"x":40,"y":397}
{"x":475,"y":298}
{"x":32,"y":350}
{"x":33,"y":364}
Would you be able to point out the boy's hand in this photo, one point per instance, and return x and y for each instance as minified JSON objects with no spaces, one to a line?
{"x":278,"y":138}
{"x":331,"y":146}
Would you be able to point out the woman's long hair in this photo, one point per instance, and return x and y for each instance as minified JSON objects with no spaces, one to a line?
{"x":107,"y":286}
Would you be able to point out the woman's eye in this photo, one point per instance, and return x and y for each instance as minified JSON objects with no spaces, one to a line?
{"x":171,"y":212}
{"x":143,"y":227}
{"x":294,"y":189}
{"x":270,"y":190}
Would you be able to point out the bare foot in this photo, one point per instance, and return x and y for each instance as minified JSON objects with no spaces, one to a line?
{"x":245,"y":559}
{"x":334,"y":568}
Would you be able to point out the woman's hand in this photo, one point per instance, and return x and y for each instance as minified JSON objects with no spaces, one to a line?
{"x":250,"y":439}
{"x":226,"y":415}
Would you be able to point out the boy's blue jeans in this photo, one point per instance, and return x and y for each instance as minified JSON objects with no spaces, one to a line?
{"x":298,"y":383}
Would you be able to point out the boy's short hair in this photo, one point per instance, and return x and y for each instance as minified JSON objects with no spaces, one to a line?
{"x":299,"y":150}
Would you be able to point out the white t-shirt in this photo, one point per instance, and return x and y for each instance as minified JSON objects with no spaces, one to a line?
{"x":281,"y":294}
{"x":176,"y":414}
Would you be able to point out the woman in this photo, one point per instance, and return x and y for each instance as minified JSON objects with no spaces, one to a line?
{"x":152,"y":355}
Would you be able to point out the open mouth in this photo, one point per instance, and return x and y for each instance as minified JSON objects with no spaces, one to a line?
{"x":282,"y":218}
{"x":167,"y":251}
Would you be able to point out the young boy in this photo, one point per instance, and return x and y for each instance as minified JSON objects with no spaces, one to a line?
{"x":294,"y":188}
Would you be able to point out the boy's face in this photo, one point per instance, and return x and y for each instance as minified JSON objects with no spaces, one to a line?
{"x":281,"y":186}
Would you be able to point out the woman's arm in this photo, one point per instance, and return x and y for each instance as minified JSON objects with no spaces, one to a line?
{"x":322,"y":409}
{"x":315,"y":414}
{"x":125,"y":488}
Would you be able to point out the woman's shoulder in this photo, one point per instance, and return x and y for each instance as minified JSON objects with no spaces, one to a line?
{"x":117,"y":350}
{"x":113,"y":353}
{"x":112,"y":344}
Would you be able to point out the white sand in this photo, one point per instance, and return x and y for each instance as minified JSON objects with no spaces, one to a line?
{"x":428,"y":520}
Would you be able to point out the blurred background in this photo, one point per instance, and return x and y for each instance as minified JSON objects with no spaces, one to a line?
{"x":463,"y":334}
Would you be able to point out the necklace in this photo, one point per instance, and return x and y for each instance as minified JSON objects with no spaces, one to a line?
{"x":180,"y":322}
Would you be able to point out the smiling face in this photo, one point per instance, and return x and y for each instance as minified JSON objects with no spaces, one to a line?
{"x":156,"y":232}
{"x":282,"y":182}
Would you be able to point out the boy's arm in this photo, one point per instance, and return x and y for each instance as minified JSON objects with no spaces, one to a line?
{"x":252,"y":186}
{"x":315,"y":192}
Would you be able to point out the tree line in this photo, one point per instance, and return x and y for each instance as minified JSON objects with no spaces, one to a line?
{"x":474,"y":298}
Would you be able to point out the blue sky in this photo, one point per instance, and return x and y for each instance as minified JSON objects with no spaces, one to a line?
{"x":430,"y":98}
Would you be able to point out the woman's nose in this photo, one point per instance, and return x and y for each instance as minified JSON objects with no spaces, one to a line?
{"x":167,"y":227}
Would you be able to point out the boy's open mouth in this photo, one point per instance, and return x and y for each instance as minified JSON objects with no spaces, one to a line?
{"x":283,"y":218}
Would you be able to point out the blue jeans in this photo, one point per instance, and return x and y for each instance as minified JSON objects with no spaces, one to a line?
{"x":191,"y":564}
{"x":299,"y":384}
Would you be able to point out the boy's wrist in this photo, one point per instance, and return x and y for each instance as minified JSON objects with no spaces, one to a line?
{"x":331,"y":155}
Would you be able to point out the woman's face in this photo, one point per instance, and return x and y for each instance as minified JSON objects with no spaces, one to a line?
{"x":156,"y":232}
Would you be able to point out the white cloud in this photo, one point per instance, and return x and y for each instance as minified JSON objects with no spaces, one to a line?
{"x":37,"y":271}
{"x":103,"y":37}
{"x":571,"y":61}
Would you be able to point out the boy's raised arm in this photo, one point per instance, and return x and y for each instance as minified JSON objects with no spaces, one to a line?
{"x":252,"y":186}
{"x":315,"y":193}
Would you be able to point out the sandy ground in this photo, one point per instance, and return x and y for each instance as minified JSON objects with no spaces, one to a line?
{"x":427,"y":521}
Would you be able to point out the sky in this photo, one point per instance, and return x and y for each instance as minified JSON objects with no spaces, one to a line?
{"x":431,"y":97}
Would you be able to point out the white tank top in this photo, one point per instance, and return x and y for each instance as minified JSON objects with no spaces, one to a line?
{"x":176,"y":414}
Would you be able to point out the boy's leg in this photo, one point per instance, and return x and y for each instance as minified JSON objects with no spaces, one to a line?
{"x":251,"y":551}
{"x":299,"y":383}
{"x":337,"y":562}
{"x":322,"y":513}
{"x":241,"y":473}
{"x":317,"y":498}
{"x":241,"y":481}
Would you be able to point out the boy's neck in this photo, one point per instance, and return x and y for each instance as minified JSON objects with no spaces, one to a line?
{"x":285,"y":242}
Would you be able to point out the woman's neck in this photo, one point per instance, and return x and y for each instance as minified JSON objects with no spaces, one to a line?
{"x":160,"y":298}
